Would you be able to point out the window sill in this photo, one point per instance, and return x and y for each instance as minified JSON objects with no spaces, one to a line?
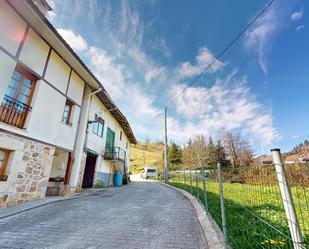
{"x":97,"y":135}
{"x":3,"y":178}
{"x":68,"y":125}
{"x":14,"y":127}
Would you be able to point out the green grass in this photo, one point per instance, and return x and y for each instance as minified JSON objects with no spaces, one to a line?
{"x":254,"y":213}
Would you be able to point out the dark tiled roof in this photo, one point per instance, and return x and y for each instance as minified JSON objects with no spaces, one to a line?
{"x":117,"y":114}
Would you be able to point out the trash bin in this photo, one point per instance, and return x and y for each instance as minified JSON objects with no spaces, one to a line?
{"x":118,"y":179}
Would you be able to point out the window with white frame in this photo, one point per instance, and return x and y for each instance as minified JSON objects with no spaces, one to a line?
{"x":98,"y":126}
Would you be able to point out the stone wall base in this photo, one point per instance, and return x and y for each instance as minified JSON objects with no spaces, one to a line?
{"x":29,"y":169}
{"x":105,"y":178}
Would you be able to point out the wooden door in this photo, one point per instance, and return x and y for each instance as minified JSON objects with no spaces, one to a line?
{"x":89,"y":171}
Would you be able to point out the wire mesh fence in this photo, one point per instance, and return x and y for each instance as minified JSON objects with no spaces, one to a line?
{"x":254,"y":207}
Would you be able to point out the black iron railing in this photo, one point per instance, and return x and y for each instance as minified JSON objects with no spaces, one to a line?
{"x":114,"y":153}
{"x":13,"y":112}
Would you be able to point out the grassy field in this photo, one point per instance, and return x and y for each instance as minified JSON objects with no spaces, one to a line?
{"x":255,"y":215}
{"x":145,"y":155}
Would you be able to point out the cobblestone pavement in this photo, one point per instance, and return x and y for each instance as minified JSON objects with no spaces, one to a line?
{"x":141,"y":215}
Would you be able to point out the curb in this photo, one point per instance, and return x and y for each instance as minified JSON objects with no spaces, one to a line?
{"x":75,"y":196}
{"x":212,"y":233}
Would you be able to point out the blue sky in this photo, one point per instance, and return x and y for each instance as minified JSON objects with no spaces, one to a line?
{"x":145,"y":52}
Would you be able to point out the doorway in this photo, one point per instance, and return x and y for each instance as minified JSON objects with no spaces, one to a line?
{"x":89,"y":170}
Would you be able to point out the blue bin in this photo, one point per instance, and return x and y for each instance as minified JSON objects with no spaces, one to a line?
{"x":118,"y":179}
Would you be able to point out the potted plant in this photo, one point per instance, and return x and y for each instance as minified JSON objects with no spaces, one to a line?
{"x":58,"y":180}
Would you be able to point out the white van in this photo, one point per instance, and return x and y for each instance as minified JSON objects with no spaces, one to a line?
{"x":150,"y":173}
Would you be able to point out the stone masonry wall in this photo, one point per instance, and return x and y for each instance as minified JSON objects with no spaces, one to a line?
{"x":30,"y":166}
{"x":105,"y":178}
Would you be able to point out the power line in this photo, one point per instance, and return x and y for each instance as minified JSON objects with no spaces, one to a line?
{"x":225,"y":49}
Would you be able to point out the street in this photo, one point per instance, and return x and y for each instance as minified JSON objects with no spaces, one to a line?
{"x":140,"y":215}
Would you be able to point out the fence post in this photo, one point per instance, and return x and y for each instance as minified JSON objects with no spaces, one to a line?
{"x":222,"y":206}
{"x":204,"y":189}
{"x":184,"y":179}
{"x":197,"y":189}
{"x":287,"y":200}
{"x":190,"y":181}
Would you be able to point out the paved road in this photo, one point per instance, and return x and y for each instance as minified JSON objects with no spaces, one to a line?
{"x":141,"y":215}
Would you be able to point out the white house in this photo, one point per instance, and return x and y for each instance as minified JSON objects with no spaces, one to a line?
{"x":58,"y":125}
{"x":107,"y":145}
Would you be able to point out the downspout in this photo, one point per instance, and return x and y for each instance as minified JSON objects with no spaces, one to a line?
{"x":88,"y":108}
{"x":79,"y":150}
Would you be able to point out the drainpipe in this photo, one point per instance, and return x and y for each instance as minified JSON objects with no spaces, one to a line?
{"x":88,"y":117}
{"x":81,"y":139}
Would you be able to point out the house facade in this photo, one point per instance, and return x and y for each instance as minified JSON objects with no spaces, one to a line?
{"x":59,"y":129}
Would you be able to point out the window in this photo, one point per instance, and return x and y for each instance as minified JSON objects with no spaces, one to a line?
{"x":4,"y":157}
{"x":67,"y":113}
{"x":120,"y":135}
{"x":110,"y":140}
{"x":98,"y":127}
{"x":16,"y":102}
{"x":126,"y":145}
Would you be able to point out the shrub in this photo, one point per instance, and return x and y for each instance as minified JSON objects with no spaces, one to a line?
{"x":99,"y":184}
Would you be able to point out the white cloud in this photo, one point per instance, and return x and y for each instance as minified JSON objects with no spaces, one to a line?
{"x":160,"y":45}
{"x":77,"y":42}
{"x":300,"y":27}
{"x":131,"y":97}
{"x":297,"y":15}
{"x":124,"y":67}
{"x":110,"y":73}
{"x":145,"y":65}
{"x":121,"y":60}
{"x":258,"y":39}
{"x":209,"y":110}
{"x":203,"y":59}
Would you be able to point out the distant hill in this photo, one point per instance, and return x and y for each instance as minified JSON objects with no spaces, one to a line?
{"x":146,"y":154}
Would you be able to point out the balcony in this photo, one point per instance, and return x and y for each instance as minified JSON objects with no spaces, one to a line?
{"x":114,"y":154}
{"x":14,"y":112}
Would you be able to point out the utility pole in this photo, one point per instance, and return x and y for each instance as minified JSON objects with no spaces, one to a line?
{"x":165,"y":148}
{"x":144,"y":157}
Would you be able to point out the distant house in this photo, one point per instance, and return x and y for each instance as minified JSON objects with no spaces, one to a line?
{"x":289,"y":162}
{"x":59,"y":129}
{"x":304,"y":159}
{"x":263,"y":160}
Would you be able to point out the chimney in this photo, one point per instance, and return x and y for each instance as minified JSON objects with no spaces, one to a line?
{"x":43,"y":6}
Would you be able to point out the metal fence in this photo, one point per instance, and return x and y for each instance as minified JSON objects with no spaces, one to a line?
{"x":254,"y":206}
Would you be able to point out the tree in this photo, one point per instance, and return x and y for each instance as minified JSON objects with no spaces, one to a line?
{"x":187,"y":155}
{"x":238,"y":150}
{"x":174,"y":156}
{"x":194,"y":152}
{"x":221,"y":155}
{"x":211,"y":153}
{"x":199,"y":151}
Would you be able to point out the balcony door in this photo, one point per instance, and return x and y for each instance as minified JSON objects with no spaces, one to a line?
{"x":110,"y":141}
{"x":16,"y":103}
